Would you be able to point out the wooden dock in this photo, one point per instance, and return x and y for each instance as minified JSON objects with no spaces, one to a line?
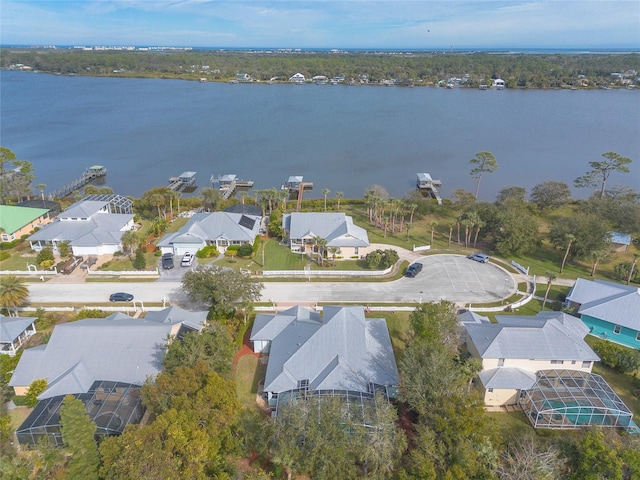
{"x":296,"y":186}
{"x":428,"y":187}
{"x":90,"y":174}
{"x":229,"y":184}
{"x":184,"y":180}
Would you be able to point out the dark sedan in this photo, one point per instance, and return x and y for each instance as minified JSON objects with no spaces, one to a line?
{"x":120,"y":297}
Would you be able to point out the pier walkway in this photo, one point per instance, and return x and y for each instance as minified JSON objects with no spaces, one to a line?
{"x":88,"y":176}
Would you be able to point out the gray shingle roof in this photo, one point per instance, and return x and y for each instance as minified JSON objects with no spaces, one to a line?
{"x":342,"y":351}
{"x":100,"y":229}
{"x":12,"y":327}
{"x":612,"y":302}
{"x":117,"y":348}
{"x":557,"y":336}
{"x":213,"y":226}
{"x":505,"y":377}
{"x":337,"y":228}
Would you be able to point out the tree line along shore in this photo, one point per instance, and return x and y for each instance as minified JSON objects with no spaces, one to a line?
{"x":471,"y":70}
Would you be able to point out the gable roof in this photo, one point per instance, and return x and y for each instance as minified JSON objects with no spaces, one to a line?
{"x":341,"y":351}
{"x":13,"y":218}
{"x":12,"y":327}
{"x":547,"y":336}
{"x":215,"y":226}
{"x":336,"y":228}
{"x":117,"y":348}
{"x":612,"y":302}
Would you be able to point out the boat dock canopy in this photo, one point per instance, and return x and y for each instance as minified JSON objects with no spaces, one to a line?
{"x":187,"y":177}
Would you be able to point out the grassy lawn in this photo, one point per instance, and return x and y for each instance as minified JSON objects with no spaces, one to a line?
{"x":123,"y":262}
{"x":19,"y":415}
{"x":249,"y":371}
{"x":398,"y":325}
{"x":623,"y":384}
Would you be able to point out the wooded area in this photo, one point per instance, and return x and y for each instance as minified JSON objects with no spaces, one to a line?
{"x":414,"y":68}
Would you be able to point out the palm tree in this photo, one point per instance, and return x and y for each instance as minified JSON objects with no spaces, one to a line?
{"x":433,"y":225}
{"x":13,"y":293}
{"x":325,"y":192}
{"x":156,"y":200}
{"x":569,"y":238}
{"x":339,"y":195}
{"x":321,"y":245}
{"x":479,"y":225}
{"x":550,"y":279}
{"x":633,"y":266}
{"x":467,"y":224}
{"x":451,"y":225}
{"x":211,"y":198}
{"x":41,"y":187}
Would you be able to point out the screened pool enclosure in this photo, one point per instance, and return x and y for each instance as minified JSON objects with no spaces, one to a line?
{"x":563,"y":399}
{"x":111,"y":405}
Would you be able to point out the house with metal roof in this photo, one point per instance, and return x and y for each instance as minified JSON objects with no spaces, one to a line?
{"x":336,"y":228}
{"x":16,"y":221}
{"x":95,"y":358}
{"x":515,"y":348}
{"x":338,"y":352}
{"x":610,"y":311}
{"x":14,"y":331}
{"x":92,"y":226}
{"x":221,"y":229}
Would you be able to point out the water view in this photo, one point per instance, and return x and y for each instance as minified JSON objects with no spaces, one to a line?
{"x":344,"y":138}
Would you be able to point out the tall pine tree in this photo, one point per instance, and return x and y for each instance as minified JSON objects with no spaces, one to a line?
{"x":78,"y":437}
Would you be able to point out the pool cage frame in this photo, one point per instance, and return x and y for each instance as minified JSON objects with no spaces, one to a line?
{"x":570,"y":399}
{"x":359,"y":408}
{"x":111,"y":405}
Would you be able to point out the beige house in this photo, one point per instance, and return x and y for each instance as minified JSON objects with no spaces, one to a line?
{"x":515,"y":348}
{"x":17,"y":221}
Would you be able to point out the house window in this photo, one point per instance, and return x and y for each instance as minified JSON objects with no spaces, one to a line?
{"x":586,"y":364}
{"x":638,"y":336}
{"x":617,"y":329}
{"x":304,"y":384}
{"x":557,"y":362}
{"x":490,"y":390}
{"x":501,"y":362}
{"x":355,"y":251}
{"x":573,"y":362}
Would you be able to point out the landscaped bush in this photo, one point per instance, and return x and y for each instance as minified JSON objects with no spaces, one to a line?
{"x":4,"y":255}
{"x":207,"y":252}
{"x":44,"y":255}
{"x":10,"y":245}
{"x":381,"y":259}
{"x":245,"y":250}
{"x":622,"y":359}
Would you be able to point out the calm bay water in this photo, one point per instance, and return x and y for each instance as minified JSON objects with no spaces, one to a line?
{"x":339,"y":137}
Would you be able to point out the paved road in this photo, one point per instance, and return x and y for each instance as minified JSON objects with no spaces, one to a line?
{"x":448,"y":277}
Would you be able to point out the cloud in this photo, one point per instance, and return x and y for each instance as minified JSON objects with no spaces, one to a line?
{"x":323,"y":23}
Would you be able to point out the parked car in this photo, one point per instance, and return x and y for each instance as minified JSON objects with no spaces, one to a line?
{"x":120,"y":297}
{"x":167,"y":261}
{"x":479,"y":257}
{"x":413,"y":270}
{"x":187,"y":260}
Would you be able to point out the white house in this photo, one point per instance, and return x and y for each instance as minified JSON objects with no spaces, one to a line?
{"x":217,"y":228}
{"x":297,"y":78}
{"x":515,"y":348}
{"x":336,"y":228}
{"x":92,"y":226}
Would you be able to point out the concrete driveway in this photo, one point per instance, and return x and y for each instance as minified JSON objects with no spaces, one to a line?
{"x":444,"y":277}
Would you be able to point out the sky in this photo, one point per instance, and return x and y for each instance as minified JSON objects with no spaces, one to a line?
{"x":342,"y":24}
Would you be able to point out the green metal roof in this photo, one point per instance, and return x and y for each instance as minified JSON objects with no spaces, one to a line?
{"x":13,"y":218}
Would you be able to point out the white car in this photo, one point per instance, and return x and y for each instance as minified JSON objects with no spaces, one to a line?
{"x":187,"y":260}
